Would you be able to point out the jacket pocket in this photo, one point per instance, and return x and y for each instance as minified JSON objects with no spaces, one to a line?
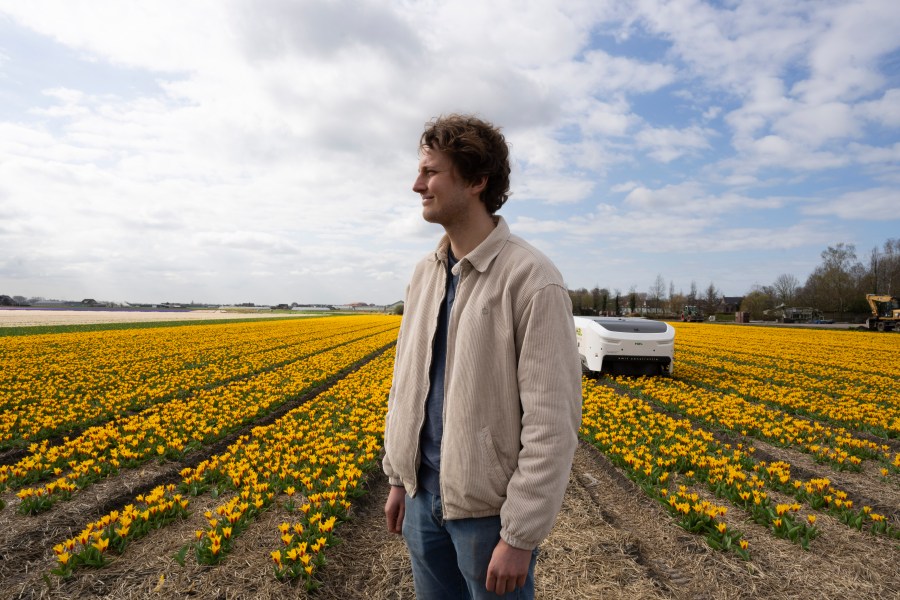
{"x":489,"y":452}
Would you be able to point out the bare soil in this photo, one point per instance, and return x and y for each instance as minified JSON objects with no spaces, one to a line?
{"x":609,"y":541}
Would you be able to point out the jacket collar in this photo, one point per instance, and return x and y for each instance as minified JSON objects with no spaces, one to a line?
{"x":481,"y":257}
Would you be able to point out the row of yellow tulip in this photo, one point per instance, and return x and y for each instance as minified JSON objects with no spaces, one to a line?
{"x":313,"y":457}
{"x":845,"y":357}
{"x":172,"y":428}
{"x":113,"y":531}
{"x":655,"y":450}
{"x":793,"y":397}
{"x":650,"y":447}
{"x":827,"y":381}
{"x":836,"y":377}
{"x":317,"y":459}
{"x":53,"y":383}
{"x":728,"y":411}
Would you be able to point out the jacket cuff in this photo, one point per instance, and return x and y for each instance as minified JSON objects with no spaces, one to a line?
{"x":516,"y":542}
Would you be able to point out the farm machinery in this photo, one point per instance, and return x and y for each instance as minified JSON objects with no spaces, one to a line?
{"x":885,"y":313}
{"x":692,"y":314}
{"x":795,"y":314}
{"x":625,"y":346}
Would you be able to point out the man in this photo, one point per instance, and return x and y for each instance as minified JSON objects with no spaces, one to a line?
{"x":485,"y":404}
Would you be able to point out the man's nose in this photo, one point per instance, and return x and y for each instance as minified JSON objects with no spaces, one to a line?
{"x":419,"y":185}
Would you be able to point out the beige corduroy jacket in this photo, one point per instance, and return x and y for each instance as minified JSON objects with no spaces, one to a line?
{"x":512,"y":397}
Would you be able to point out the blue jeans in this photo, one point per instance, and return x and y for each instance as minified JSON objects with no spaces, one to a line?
{"x":450,"y":558}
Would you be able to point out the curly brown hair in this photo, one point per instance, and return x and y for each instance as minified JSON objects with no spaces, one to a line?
{"x":477,"y":149}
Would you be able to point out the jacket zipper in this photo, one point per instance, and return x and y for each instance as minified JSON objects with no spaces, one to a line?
{"x":451,"y":331}
{"x":424,"y":402}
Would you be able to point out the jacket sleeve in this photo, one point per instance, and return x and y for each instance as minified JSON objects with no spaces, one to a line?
{"x":549,"y":378}
{"x":393,"y":477}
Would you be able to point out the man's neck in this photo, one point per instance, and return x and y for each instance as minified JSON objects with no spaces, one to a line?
{"x":466,"y":236}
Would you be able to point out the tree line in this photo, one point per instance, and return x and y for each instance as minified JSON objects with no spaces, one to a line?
{"x":837,"y":287}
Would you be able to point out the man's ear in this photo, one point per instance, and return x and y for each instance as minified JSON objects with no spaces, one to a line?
{"x":478,"y":186}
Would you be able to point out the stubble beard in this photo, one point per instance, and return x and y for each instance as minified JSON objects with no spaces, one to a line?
{"x":447,"y":213}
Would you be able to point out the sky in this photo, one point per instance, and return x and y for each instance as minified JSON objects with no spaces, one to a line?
{"x":264,"y":151}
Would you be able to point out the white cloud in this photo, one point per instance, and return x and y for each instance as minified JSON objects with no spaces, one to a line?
{"x":814,"y":125}
{"x":779,"y":153}
{"x":884,"y":155}
{"x":605,"y":119}
{"x":558,"y":190}
{"x":669,"y":143}
{"x":257,"y":241}
{"x":538,"y":149}
{"x":280,"y":137}
{"x":874,"y":204}
{"x":625,"y":187}
{"x":691,"y":199}
{"x":843,"y":59}
{"x":729,"y":47}
{"x":885,"y":110}
{"x":528,"y":225}
{"x":712,"y":113}
{"x":601,"y":71}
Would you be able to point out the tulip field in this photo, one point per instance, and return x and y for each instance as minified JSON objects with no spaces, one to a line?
{"x":241,"y":459}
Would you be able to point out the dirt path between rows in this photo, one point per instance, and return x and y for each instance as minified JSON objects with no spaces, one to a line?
{"x":610,"y":541}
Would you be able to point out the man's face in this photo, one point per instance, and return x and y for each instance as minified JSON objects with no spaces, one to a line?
{"x":446,"y":198}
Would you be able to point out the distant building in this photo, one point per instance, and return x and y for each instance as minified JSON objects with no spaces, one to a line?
{"x":369,"y":308}
{"x":361,"y":307}
{"x":730,"y":304}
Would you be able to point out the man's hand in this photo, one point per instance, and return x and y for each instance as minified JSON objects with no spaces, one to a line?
{"x":395,"y":508}
{"x":508,"y":568}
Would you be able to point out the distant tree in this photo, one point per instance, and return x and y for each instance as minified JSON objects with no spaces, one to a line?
{"x":785,"y":289}
{"x":596,"y":298}
{"x":582,"y":302}
{"x":618,"y":303}
{"x":692,"y":297}
{"x":892,"y":267}
{"x":587,"y":301}
{"x":757,"y":301}
{"x":711,"y":300}
{"x":838,"y":284}
{"x":658,"y":291}
{"x":885,"y":269}
{"x":632,"y":300}
{"x":856,"y":301}
{"x":575,"y":297}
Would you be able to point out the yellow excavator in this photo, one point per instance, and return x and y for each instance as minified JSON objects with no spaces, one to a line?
{"x":885,"y":313}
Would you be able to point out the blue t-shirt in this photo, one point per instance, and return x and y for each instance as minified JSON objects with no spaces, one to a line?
{"x":433,"y":429}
